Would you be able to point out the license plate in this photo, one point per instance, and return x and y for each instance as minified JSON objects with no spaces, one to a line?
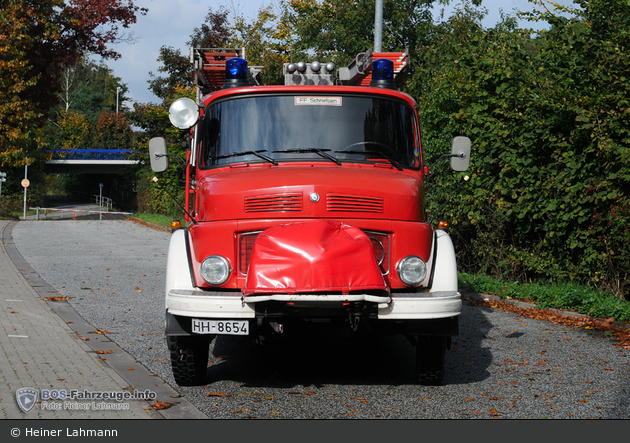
{"x":225,"y":327}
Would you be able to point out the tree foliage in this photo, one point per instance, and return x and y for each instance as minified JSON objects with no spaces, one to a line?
{"x":338,"y":30}
{"x":214,"y":32}
{"x":38,"y":39}
{"x":548,"y":116}
{"x":90,"y":88}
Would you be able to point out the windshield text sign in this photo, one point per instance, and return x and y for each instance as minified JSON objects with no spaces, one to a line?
{"x":317,"y":101}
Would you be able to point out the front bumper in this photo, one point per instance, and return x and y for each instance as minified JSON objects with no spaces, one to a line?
{"x":233,"y":305}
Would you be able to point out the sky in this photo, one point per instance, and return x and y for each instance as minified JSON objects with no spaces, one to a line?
{"x":171,"y":22}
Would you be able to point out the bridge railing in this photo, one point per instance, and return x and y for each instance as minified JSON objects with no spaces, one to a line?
{"x":89,"y":154}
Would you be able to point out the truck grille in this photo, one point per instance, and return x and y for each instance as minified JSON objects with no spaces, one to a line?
{"x":379,"y":240}
{"x":353,"y":203}
{"x":274,"y":203}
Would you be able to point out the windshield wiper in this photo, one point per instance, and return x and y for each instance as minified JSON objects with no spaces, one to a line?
{"x":256,"y":153}
{"x":392,"y":161}
{"x":320,"y":152}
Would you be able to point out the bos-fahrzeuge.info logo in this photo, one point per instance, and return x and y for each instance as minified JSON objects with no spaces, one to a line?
{"x":75,"y":399}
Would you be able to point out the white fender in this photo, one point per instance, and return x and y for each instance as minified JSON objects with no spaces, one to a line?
{"x":445,"y":271}
{"x":178,"y":273}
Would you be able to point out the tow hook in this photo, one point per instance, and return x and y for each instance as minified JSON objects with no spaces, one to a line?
{"x":354,"y":315}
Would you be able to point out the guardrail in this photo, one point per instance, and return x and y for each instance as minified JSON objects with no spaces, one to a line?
{"x":74,"y":211}
{"x":102,"y":201}
{"x":89,"y":154}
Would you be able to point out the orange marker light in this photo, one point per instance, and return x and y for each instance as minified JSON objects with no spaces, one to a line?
{"x":443,"y":224}
{"x":176,"y":224}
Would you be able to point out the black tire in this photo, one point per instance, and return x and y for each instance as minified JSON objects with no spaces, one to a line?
{"x":430,"y":351}
{"x":189,"y":359}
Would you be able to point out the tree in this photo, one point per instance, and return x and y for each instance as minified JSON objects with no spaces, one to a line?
{"x":71,"y":131}
{"x":111,"y":131}
{"x":269,"y":42}
{"x":90,"y":88}
{"x":38,"y":39}
{"x":338,"y":30}
{"x":213,"y":33}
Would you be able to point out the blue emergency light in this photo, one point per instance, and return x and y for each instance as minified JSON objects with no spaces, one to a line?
{"x":383,"y":74}
{"x":235,"y":73}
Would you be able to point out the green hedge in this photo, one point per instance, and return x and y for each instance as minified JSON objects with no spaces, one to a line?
{"x":549,"y":119}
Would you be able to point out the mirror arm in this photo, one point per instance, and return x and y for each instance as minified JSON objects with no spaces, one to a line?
{"x":179,"y":160}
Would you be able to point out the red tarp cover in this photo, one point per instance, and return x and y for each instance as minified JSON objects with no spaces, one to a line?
{"x":313,"y":256}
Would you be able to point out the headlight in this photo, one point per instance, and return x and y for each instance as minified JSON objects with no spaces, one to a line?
{"x":215,"y":270}
{"x":412,"y":270}
{"x":183,"y":113}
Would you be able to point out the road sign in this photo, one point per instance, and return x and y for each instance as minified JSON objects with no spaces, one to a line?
{"x":25,"y":183}
{"x":100,"y":185}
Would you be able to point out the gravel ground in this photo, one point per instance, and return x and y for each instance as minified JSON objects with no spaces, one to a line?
{"x":501,"y":365}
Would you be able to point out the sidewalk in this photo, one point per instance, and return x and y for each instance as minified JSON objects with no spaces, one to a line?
{"x":45,"y":345}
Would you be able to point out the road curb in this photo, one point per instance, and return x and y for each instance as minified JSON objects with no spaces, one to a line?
{"x":118,"y":360}
{"x":149,"y":225}
{"x":527,"y":305}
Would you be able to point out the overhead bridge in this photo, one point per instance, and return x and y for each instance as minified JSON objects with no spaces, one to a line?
{"x":89,"y":161}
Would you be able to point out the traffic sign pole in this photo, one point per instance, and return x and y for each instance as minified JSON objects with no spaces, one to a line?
{"x":25,"y":183}
{"x":2,"y":179}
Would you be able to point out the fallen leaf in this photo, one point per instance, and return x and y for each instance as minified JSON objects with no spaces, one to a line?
{"x":159,"y":404}
{"x":217,"y":394}
{"x":57,"y":298}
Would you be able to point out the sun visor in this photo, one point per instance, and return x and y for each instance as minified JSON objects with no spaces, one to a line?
{"x":313,"y":256}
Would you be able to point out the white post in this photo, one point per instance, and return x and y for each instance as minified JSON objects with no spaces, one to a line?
{"x":100,"y":201}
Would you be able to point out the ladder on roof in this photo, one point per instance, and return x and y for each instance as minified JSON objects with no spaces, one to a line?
{"x":209,"y":68}
{"x":358,"y":71}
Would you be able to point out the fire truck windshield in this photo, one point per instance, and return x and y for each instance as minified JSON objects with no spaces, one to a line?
{"x":278,"y":128}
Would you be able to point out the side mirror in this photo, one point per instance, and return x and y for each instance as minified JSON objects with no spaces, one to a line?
{"x":158,"y":154}
{"x":460,"y":154}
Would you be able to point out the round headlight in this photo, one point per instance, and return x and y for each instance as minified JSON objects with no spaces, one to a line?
{"x":412,"y":270}
{"x":215,"y":270}
{"x":183,"y":113}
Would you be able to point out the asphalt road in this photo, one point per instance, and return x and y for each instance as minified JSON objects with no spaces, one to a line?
{"x":501,"y":365}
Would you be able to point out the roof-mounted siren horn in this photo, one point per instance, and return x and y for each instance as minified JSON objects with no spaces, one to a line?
{"x":235,"y":73}
{"x":383,"y":74}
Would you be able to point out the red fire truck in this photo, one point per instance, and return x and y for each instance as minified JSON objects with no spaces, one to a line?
{"x":306,"y":210}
